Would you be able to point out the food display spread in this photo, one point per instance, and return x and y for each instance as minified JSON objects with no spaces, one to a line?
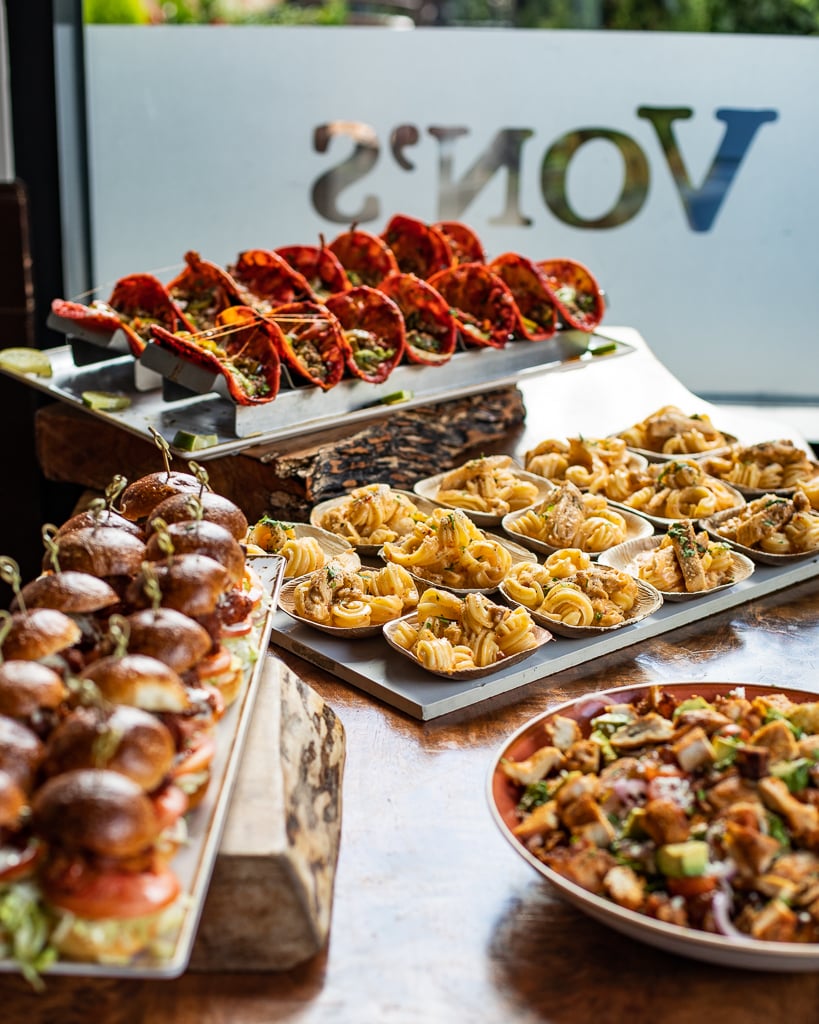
{"x":126,"y":668}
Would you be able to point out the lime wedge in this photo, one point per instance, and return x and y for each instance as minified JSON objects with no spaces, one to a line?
{"x":603,"y":348}
{"x":26,"y":360}
{"x":188,"y":442}
{"x":396,"y":397}
{"x":106,"y":401}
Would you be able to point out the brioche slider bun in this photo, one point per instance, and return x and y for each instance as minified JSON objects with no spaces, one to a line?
{"x":12,"y":802}
{"x":171,"y":636}
{"x":142,"y":496}
{"x":125,"y":739}
{"x":215,"y":509}
{"x":140,"y":681}
{"x":27,"y":687}
{"x":39,"y":633}
{"x":100,"y":520}
{"x":191,"y":584}
{"x":198,"y":536}
{"x":100,"y":552}
{"x":21,"y":752}
{"x":106,"y":908}
{"x":72,"y":592}
{"x":223,"y":670}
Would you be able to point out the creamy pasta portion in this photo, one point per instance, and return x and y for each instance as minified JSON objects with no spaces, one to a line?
{"x":453,"y":634}
{"x":681,"y":489}
{"x":487,"y":484}
{"x":372,"y":514}
{"x":334,"y":596}
{"x":590,"y":595}
{"x":596,"y":464}
{"x":774,"y":524}
{"x":273,"y":537}
{"x":768,"y":466}
{"x":670,"y":431}
{"x":686,"y":562}
{"x":450,"y":550}
{"x":571,"y":518}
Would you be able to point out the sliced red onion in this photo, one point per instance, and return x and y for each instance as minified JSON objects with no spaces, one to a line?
{"x":629,"y":791}
{"x":721,"y":910}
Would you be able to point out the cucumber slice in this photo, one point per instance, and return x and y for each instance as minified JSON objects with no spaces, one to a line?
{"x":396,"y":397}
{"x":106,"y":401}
{"x":26,"y":360}
{"x":189,"y":442}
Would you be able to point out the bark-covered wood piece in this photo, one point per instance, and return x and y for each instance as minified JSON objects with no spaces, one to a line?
{"x":270,"y":899}
{"x":398,"y":450}
{"x":286,"y":478}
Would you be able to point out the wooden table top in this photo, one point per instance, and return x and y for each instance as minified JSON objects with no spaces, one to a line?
{"x":436,"y":919}
{"x":435,"y":916}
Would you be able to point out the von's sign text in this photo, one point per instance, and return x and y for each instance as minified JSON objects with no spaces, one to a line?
{"x":505,"y":153}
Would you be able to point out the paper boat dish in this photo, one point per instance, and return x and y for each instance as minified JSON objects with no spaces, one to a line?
{"x":365,"y":550}
{"x":287,"y":605}
{"x":755,"y":554}
{"x":637,"y":526}
{"x":518,"y":553}
{"x":429,"y":487}
{"x":623,"y":557}
{"x":502,"y":798}
{"x":649,"y":599}
{"x":333,"y":546}
{"x":543,"y":636}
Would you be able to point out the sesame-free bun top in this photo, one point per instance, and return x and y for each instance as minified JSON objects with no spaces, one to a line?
{"x":142,"y":496}
{"x":97,"y":810}
{"x":173,"y":637}
{"x":140,"y":681}
{"x":191,"y":584}
{"x":124,"y":739}
{"x":198,"y":536}
{"x":100,"y":551}
{"x":215,"y":509}
{"x":72,"y":592}
{"x":29,"y":686}
{"x":21,"y":752}
{"x":102,"y":519}
{"x":38,"y":633}
{"x":12,"y":801}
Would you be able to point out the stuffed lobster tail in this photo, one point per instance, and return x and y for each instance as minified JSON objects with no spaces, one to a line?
{"x":484,"y":308}
{"x":241,"y":347}
{"x":464,"y":244}
{"x":137,"y":302}
{"x":269,"y":281}
{"x":532,"y":294}
{"x":320,"y":267}
{"x":418,"y":248}
{"x":310,"y":342}
{"x":366,"y":258}
{"x":372,"y":330}
{"x":430,"y":329}
{"x":577,"y":294}
{"x":202,"y":290}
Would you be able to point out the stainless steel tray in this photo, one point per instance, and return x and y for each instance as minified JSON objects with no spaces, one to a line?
{"x":373,"y":667}
{"x":168,"y":393}
{"x":193,"y":864}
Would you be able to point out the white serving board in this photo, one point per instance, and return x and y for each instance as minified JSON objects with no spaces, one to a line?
{"x":371,"y":666}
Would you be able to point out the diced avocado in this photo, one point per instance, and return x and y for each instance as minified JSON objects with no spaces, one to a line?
{"x":610,"y":722}
{"x":190,"y":442}
{"x":607,"y":751}
{"x":690,"y":704}
{"x":682,"y":860}
{"x":633,"y":826}
{"x":795,"y":774}
{"x":725,"y":749}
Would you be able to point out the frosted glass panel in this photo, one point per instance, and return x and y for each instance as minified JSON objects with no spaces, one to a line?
{"x":680,"y":168}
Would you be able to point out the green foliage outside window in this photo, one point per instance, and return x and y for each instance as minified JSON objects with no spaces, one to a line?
{"x":771,"y":17}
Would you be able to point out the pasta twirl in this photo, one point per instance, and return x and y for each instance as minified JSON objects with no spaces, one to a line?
{"x":372,"y":515}
{"x":569,"y":518}
{"x":487,"y":484}
{"x":334,"y":596}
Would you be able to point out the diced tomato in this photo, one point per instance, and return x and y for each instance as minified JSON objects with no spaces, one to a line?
{"x":688,"y":887}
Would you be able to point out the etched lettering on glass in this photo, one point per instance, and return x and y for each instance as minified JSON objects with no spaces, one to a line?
{"x":328,"y":187}
{"x":504,"y":152}
{"x":402,"y":137}
{"x":555,"y":169}
{"x":703,"y":204}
